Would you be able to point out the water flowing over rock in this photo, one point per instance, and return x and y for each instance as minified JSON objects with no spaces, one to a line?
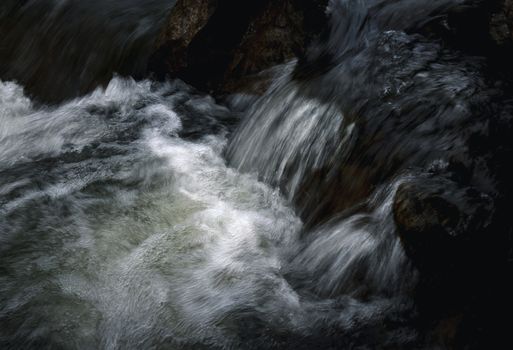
{"x":61,"y":49}
{"x":353,"y":193}
{"x":384,"y":97}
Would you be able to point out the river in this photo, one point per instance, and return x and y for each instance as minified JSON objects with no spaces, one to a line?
{"x":148,"y":215}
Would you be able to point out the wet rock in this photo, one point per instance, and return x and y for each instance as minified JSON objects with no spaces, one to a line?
{"x":455,"y":237}
{"x":187,"y":18}
{"x":440,"y":223}
{"x":281,"y":32}
{"x":224,"y":45}
{"x":501,"y":23}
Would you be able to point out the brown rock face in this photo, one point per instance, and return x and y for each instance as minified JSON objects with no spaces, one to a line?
{"x":187,"y":18}
{"x":278,"y":34}
{"x":501,"y":23}
{"x":223,"y":45}
{"x":226,"y":46}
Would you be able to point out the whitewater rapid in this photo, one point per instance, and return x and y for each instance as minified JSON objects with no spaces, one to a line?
{"x":122,"y":228}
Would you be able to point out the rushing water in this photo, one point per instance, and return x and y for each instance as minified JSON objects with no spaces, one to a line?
{"x":359,"y":108}
{"x":119,"y":231}
{"x":145,"y":215}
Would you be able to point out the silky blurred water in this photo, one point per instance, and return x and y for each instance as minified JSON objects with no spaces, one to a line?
{"x":119,"y":233}
{"x":60,"y":49}
{"x":147,"y":215}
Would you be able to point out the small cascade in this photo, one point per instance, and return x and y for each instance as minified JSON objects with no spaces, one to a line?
{"x":148,"y":215}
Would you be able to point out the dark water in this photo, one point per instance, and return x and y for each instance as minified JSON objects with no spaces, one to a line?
{"x":46,"y":42}
{"x":146,"y":215}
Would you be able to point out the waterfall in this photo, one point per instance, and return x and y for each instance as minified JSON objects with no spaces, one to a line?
{"x":137,"y":214}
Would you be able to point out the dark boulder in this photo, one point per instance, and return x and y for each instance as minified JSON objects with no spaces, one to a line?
{"x":455,"y":237}
{"x":501,"y":23}
{"x":186,"y":19}
{"x":224,"y":46}
{"x":441,"y":223}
